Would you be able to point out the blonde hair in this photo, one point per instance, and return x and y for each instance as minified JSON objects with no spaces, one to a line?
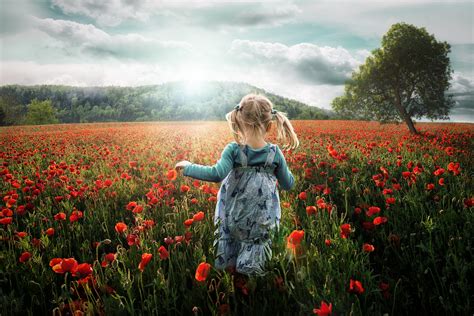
{"x":254,"y":114}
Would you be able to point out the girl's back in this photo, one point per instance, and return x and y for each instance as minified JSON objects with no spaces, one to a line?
{"x":248,"y":209}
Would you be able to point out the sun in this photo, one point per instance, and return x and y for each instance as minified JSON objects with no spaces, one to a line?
{"x":194,"y":79}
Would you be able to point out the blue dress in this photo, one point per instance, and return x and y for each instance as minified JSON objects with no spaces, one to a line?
{"x":247,"y":212}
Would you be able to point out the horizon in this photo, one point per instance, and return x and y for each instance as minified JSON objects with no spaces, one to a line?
{"x":300,"y":50}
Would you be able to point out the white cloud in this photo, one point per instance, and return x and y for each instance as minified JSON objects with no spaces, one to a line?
{"x":86,"y":38}
{"x":303,"y":62}
{"x":86,"y":74}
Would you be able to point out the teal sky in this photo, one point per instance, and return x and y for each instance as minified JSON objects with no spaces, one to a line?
{"x":299,"y":49}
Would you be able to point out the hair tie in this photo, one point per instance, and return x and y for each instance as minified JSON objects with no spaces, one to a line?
{"x":274,"y":111}
{"x":237,"y":107}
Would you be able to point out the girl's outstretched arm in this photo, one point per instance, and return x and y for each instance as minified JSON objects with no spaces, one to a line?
{"x":215,"y":173}
{"x":283,"y":173}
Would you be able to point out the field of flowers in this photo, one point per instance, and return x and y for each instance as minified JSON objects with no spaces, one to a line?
{"x":95,"y":220}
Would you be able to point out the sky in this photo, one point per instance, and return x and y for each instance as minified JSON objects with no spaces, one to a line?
{"x":304,"y":50}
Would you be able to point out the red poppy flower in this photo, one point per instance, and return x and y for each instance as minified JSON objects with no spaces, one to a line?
{"x":345,"y":230}
{"x":109,"y":258}
{"x":55,"y":261}
{"x":120,"y":227}
{"x":356,"y":287}
{"x":21,"y":234}
{"x":454,"y":168}
{"x":168,"y":240}
{"x":202,"y":271}
{"x":50,"y":231}
{"x":321,"y":203}
{"x":380,"y":220}
{"x":184,"y":188}
{"x":188,"y":222}
{"x":293,"y":241}
{"x":324,"y":310}
{"x":302,"y":196}
{"x":83,"y":270}
{"x":25,"y":256}
{"x":146,"y":257}
{"x":149,"y":223}
{"x":60,"y":216}
{"x":6,"y":220}
{"x":449,"y":150}
{"x":311,"y":210}
{"x":199,"y":216}
{"x":172,"y":174}
{"x":397,"y":186}
{"x":132,"y":239}
{"x":131,"y":205}
{"x":368,"y":247}
{"x":212,"y":199}
{"x":76,"y":215}
{"x":469,"y":202}
{"x":372,"y":210}
{"x":68,"y":265}
{"x":438,"y":172}
{"x":164,"y":254}
{"x":137,"y":209}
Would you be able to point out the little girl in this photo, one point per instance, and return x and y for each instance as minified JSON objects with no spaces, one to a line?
{"x":248,"y":204}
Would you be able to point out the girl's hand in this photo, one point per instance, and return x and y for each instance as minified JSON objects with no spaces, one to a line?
{"x":182,"y":164}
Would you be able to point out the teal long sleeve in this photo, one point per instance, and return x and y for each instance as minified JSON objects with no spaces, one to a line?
{"x":282,"y":172}
{"x":214,"y":173}
{"x":230,"y":157}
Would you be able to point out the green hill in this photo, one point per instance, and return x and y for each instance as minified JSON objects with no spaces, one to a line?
{"x":168,"y":101}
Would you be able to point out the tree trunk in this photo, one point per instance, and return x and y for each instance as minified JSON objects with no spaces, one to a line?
{"x":410,"y":124}
{"x":404,"y":114}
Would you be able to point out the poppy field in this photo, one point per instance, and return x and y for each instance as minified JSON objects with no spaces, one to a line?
{"x":95,"y":220}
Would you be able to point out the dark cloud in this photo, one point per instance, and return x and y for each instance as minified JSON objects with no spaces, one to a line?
{"x":462,"y":89}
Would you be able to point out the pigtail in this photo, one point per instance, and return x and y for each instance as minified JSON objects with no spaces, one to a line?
{"x":285,"y":131}
{"x":235,"y":125}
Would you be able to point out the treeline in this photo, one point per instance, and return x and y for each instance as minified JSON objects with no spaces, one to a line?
{"x":169,"y":101}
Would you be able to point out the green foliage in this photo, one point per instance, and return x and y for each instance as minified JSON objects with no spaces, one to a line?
{"x":170,"y":101}
{"x":40,"y":113}
{"x":407,"y":77}
{"x":13,"y":111}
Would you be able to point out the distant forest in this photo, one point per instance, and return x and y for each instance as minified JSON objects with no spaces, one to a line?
{"x":169,"y":101}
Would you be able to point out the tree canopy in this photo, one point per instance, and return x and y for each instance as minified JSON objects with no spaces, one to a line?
{"x":406,"y":77}
{"x":170,"y":101}
{"x":40,"y":112}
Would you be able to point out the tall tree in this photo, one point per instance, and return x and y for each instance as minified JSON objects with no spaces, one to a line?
{"x":41,"y":112}
{"x":407,"y":77}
